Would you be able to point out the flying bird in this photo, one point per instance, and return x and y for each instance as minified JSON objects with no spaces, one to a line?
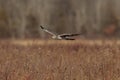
{"x":60,"y":36}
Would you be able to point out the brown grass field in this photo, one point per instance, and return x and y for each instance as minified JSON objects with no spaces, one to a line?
{"x":59,"y":60}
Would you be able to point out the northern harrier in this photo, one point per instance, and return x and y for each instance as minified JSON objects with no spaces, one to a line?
{"x":60,"y":36}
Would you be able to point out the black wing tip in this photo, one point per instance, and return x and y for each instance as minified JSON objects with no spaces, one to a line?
{"x":71,"y":39}
{"x":41,"y":27}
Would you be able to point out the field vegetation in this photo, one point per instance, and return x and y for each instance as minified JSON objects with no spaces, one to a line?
{"x":59,"y":60}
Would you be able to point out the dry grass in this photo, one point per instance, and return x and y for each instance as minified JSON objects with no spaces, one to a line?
{"x":59,"y":60}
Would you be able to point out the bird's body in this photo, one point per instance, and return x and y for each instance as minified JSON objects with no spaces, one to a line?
{"x":61,"y":36}
{"x":56,"y":37}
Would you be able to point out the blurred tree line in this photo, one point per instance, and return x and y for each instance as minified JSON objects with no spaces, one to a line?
{"x":93,"y":18}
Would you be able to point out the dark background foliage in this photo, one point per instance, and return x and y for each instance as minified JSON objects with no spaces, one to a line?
{"x":93,"y":18}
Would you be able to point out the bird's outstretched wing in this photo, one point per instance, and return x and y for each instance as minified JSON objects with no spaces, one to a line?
{"x":46,"y":30}
{"x":69,"y":35}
